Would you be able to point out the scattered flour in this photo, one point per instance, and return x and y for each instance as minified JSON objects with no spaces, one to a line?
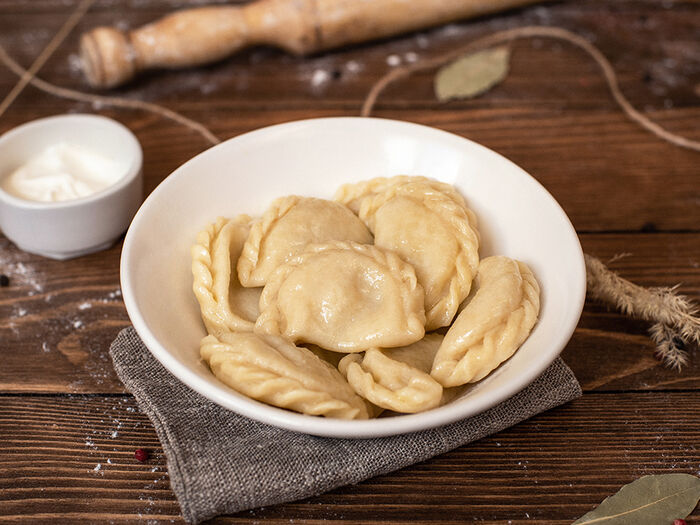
{"x":422,"y":41}
{"x":23,"y":274}
{"x":393,"y":60}
{"x":111,"y":296}
{"x":543,"y":15}
{"x":320,"y":77}
{"x":45,"y":347}
{"x":353,"y":66}
{"x":452,"y":30}
{"x":75,"y":63}
{"x":33,"y":41}
{"x":98,"y":467}
{"x":410,"y":57}
{"x":208,"y":87}
{"x":85,"y":305}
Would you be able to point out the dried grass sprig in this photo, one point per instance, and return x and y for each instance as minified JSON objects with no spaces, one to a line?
{"x":669,"y":348}
{"x":674,"y":316}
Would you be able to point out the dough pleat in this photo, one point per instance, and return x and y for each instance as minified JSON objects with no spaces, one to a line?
{"x":353,"y":194}
{"x":224,"y":304}
{"x":493,"y":324}
{"x":272,"y":370}
{"x":288,"y":225}
{"x":396,"y":379}
{"x":434,"y":234}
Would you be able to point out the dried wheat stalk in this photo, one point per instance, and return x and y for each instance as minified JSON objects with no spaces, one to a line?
{"x":674,"y":316}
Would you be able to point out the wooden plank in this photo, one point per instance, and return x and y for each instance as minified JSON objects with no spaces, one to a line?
{"x":605,"y":172}
{"x":652,"y":74}
{"x":553,"y":116}
{"x":562,"y":127}
{"x":57,"y":319}
{"x":71,"y":458}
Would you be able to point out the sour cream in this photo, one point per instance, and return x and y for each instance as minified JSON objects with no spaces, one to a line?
{"x":63,"y":172}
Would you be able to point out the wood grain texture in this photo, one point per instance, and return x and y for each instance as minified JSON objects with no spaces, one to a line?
{"x":590,"y":162}
{"x":62,"y":316}
{"x":71,"y":458}
{"x":553,"y":115}
{"x":625,"y":191}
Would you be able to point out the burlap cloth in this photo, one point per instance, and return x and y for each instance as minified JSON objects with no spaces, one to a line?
{"x":221,"y":463}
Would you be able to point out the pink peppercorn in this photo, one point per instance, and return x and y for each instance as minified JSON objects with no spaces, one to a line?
{"x":679,"y":522}
{"x":141,"y":455}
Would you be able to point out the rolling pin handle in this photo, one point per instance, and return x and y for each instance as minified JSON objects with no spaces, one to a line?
{"x":186,"y":38}
{"x":107,"y":57}
{"x":205,"y":34}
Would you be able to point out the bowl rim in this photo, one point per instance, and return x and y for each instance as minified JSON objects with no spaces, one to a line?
{"x":132,"y":172}
{"x":328,"y":427}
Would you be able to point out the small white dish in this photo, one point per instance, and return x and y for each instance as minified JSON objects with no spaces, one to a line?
{"x":67,"y":229}
{"x":517,"y":218}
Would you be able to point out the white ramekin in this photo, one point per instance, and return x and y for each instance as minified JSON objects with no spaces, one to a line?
{"x":67,"y":229}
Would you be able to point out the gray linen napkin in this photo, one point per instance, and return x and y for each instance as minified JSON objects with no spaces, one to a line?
{"x":221,"y":463}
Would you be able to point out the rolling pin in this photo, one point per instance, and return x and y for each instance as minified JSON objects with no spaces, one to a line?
{"x":196,"y":36}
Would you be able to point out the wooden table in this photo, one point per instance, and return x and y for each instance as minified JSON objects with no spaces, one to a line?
{"x":68,"y":429}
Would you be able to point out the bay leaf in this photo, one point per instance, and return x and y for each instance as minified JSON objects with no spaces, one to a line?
{"x":649,"y":500}
{"x":472,"y":74}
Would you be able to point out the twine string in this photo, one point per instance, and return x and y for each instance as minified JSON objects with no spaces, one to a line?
{"x":509,"y":35}
{"x":28,"y":76}
{"x":46,"y":53}
{"x":120,"y":102}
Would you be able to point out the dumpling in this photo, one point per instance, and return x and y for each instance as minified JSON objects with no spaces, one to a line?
{"x":434,"y":234}
{"x":287,"y":227}
{"x":334,"y":358}
{"x":225,"y":305}
{"x":345,"y":297}
{"x":492,"y":326}
{"x":276,"y":372}
{"x":352,"y":195}
{"x":397,"y":379}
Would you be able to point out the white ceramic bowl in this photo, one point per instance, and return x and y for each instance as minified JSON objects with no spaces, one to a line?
{"x":66,"y":229}
{"x":517,"y":218}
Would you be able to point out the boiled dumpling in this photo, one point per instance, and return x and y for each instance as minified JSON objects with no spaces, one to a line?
{"x":279,"y":373}
{"x":287,"y":227}
{"x":397,"y":379}
{"x":352,"y":195}
{"x":334,"y":358}
{"x":434,"y":234}
{"x":225,"y":305}
{"x":345,"y":297}
{"x":494,"y":323}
